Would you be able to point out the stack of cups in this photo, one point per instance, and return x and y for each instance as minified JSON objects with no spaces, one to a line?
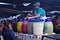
{"x":20,"y":37}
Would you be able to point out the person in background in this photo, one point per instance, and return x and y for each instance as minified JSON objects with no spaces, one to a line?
{"x":37,"y":11}
{"x":8,"y":33}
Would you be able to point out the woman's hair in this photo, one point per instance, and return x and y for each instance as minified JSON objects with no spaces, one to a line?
{"x":6,"y":24}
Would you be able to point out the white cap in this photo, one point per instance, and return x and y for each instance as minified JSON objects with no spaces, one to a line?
{"x":37,"y":4}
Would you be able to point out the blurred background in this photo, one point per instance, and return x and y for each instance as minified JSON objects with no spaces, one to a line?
{"x":17,"y":5}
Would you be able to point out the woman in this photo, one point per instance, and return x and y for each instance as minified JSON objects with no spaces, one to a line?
{"x":8,"y":32}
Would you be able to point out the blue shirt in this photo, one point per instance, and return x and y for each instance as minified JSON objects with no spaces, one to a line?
{"x":40,"y":11}
{"x":9,"y":35}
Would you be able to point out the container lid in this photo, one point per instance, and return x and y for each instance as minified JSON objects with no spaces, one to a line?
{"x":15,"y":20}
{"x":48,"y":20}
{"x":25,"y":20}
{"x":36,"y":20}
{"x":19,"y":20}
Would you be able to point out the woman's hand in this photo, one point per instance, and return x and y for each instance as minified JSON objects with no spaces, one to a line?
{"x":10,"y":26}
{"x":29,"y":18}
{"x":37,"y":16}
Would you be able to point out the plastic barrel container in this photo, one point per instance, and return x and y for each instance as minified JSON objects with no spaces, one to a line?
{"x":30,"y":27}
{"x":24,"y":27}
{"x":19,"y":26}
{"x":48,"y":26}
{"x":38,"y":26}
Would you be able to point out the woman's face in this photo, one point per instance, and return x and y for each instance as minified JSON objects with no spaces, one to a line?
{"x":10,"y":26}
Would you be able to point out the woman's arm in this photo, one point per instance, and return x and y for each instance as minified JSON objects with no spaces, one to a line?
{"x":37,"y":16}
